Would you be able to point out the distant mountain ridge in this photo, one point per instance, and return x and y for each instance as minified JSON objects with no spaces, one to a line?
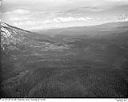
{"x":88,"y":30}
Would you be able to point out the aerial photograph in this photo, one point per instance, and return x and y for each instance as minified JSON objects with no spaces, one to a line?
{"x":64,"y":48}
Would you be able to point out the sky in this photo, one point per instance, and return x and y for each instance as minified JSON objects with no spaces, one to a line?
{"x":47,"y":14}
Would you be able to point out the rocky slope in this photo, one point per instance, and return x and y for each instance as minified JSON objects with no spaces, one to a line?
{"x":13,"y":38}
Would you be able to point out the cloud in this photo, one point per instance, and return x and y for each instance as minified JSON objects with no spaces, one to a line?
{"x":32,"y":20}
{"x":37,"y":14}
{"x":18,"y":15}
{"x":70,"y":19}
{"x":61,"y":4}
{"x":34,"y":23}
{"x":18,"y":11}
{"x":21,"y":11}
{"x":117,"y":0}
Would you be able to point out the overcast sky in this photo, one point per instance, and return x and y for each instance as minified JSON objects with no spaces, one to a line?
{"x":45,"y":14}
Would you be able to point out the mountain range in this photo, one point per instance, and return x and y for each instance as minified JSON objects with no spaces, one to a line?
{"x":67,"y":62}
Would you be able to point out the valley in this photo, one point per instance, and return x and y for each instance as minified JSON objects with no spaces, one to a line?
{"x":77,"y":62}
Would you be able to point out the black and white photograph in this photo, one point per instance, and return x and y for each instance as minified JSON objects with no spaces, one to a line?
{"x":64,"y":49}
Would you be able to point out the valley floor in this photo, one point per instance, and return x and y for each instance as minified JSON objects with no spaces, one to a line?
{"x":93,"y":67}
